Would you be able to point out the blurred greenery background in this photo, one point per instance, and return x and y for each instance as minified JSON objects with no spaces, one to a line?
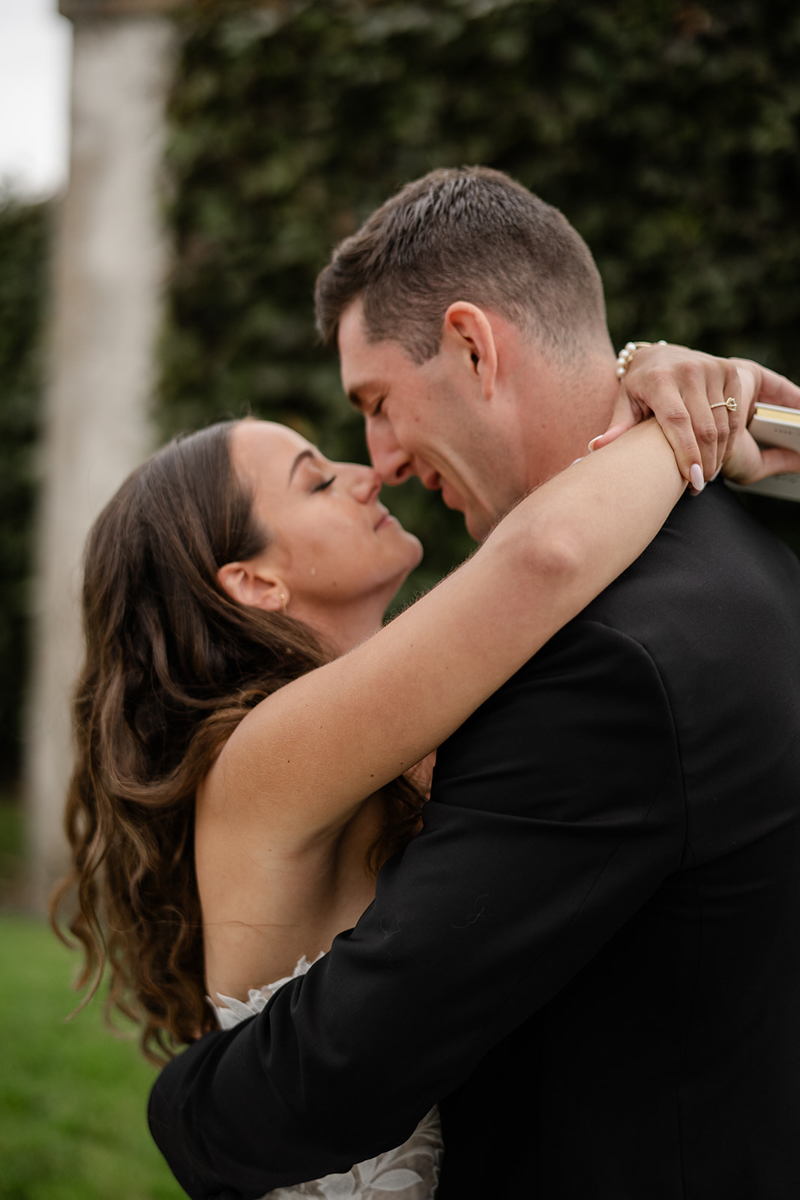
{"x":666,"y":131}
{"x":72,"y":1096}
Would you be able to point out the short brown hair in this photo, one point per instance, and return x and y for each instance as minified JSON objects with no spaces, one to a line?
{"x":465,"y":234}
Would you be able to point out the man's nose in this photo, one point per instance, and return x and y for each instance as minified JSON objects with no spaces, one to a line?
{"x":366,"y":484}
{"x":388,"y":456}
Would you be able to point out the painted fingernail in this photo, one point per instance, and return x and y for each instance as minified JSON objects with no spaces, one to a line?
{"x":716,"y":473}
{"x":696,"y":477}
{"x":592,"y":442}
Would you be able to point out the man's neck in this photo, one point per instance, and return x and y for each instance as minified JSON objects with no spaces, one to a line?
{"x":561,"y":412}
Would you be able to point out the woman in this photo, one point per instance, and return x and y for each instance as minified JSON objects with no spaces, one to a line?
{"x":245,"y":744}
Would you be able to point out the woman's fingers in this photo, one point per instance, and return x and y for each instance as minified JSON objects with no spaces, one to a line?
{"x":746,"y":461}
{"x":737,"y":419}
{"x":777,"y":461}
{"x":610,"y":435}
{"x":765,"y":386}
{"x":726,"y":409}
{"x":626,"y":414}
{"x":749,"y":462}
{"x":696,"y":399}
{"x":680,"y":392}
{"x":703,"y":431}
{"x":676,"y":400}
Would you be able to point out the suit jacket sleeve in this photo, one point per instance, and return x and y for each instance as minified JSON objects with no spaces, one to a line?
{"x":557,"y":810}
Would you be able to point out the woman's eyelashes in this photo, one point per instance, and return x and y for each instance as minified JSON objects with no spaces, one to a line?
{"x":326,"y":483}
{"x":376,"y":410}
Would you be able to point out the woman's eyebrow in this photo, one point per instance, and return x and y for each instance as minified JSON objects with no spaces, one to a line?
{"x":303,"y":454}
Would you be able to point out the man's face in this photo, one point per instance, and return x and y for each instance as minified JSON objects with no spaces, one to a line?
{"x":429,"y":421}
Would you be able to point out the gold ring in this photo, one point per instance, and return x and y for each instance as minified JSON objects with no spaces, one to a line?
{"x":730,"y":404}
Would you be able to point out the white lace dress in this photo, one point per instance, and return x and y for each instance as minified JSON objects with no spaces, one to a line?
{"x":410,"y":1172}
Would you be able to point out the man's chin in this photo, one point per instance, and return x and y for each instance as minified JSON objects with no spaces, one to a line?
{"x":476,"y":524}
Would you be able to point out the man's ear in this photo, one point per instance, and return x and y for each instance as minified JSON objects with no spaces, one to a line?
{"x":253,"y":586}
{"x":468,"y":333}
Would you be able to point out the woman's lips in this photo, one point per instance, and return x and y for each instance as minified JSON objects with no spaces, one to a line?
{"x":386,"y":516}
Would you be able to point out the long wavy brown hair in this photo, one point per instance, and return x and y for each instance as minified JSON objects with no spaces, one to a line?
{"x":172,"y":665}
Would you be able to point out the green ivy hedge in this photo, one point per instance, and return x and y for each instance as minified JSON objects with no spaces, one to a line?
{"x":24,"y":241}
{"x":666,"y":131}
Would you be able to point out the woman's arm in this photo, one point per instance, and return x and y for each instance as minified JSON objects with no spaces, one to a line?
{"x":299,"y":765}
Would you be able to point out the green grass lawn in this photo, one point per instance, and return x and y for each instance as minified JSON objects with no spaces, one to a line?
{"x":11,"y":845}
{"x":72,"y":1096}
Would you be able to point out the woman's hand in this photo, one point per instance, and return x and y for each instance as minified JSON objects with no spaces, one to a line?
{"x":746,"y":461}
{"x":679,"y":387}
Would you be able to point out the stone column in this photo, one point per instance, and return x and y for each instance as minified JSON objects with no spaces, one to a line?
{"x":109,"y":265}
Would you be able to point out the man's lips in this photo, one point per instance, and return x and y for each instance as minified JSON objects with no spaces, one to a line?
{"x":434,"y":482}
{"x":450,"y":497}
{"x":429,"y":479}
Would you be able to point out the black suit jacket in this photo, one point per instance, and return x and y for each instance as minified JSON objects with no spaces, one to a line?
{"x":591,"y":955}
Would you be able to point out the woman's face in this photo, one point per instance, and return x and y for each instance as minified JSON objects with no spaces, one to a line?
{"x":333,"y":544}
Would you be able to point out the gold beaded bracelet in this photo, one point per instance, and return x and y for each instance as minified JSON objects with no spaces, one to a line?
{"x":627,"y":352}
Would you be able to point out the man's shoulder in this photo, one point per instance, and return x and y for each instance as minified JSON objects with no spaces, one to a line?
{"x":696,"y":644}
{"x":711,"y":566}
{"x":714,"y":588}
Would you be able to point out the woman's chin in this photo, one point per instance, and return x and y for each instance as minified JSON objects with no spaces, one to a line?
{"x":412,"y":563}
{"x":417,"y":552}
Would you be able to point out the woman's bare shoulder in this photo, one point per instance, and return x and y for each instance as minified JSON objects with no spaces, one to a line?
{"x":266,"y":898}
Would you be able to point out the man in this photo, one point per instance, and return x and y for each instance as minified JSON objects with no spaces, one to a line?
{"x":589,"y":955}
